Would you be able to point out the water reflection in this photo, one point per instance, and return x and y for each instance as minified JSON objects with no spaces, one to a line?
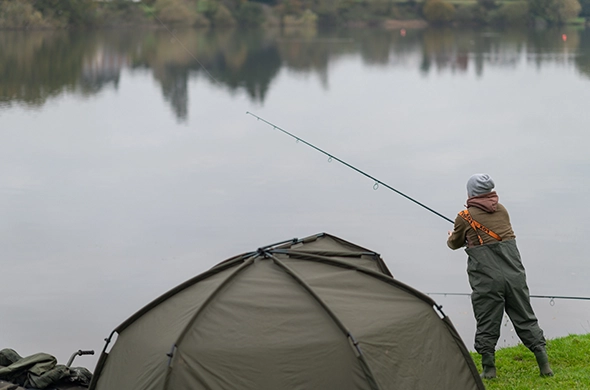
{"x":37,"y":66}
{"x":102,"y":68}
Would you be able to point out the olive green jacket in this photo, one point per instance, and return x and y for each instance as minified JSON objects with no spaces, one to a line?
{"x":37,"y":371}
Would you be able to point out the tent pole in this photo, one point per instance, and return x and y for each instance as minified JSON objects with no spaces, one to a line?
{"x":358,"y":352}
{"x":247,"y":262}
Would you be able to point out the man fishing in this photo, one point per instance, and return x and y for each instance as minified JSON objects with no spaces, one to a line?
{"x":496,"y":275}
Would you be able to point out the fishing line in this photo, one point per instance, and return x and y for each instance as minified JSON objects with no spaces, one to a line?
{"x":332,"y":157}
{"x":552,"y":298}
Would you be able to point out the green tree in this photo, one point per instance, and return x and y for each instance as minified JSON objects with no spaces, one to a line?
{"x":250,"y":14}
{"x":176,"y":12}
{"x":438,"y":11}
{"x":208,"y":7}
{"x":292,"y":7}
{"x":568,"y":9}
{"x":72,"y":12}
{"x":20,"y":14}
{"x":513,"y":13}
{"x":223,"y":17}
{"x":554,"y":11}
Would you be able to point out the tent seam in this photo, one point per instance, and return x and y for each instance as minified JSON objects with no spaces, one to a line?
{"x":364,"y":365}
{"x":170,"y":293}
{"x":246,"y":263}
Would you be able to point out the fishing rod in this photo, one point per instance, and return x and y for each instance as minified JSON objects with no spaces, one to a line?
{"x":332,"y":157}
{"x":551,"y":297}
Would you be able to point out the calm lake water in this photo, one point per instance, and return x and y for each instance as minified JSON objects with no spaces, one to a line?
{"x":128,"y":164}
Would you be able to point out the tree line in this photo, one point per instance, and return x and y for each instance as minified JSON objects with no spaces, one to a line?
{"x":30,"y":14}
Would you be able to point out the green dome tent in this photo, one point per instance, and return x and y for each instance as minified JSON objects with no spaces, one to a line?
{"x":318,"y":313}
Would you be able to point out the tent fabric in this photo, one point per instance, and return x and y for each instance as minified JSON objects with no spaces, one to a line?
{"x":315,"y":313}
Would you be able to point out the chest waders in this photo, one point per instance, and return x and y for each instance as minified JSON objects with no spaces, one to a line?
{"x":498,"y":282}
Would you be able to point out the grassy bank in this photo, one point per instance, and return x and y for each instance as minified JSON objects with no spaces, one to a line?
{"x":517,"y":370}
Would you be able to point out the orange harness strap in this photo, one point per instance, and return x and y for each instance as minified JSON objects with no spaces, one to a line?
{"x":476,"y":225}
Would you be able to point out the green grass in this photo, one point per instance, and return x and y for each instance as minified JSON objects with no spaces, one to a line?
{"x":517,"y":369}
{"x":577,"y":21}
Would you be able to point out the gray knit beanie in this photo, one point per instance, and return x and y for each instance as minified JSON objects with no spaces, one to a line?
{"x":479,"y":184}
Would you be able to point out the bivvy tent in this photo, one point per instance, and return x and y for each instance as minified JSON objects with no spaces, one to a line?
{"x":318,"y":313}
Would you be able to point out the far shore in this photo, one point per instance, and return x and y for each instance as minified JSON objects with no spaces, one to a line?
{"x":389,"y":24}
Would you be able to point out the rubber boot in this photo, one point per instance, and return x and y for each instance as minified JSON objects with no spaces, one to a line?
{"x":543,"y":361}
{"x":488,"y":362}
